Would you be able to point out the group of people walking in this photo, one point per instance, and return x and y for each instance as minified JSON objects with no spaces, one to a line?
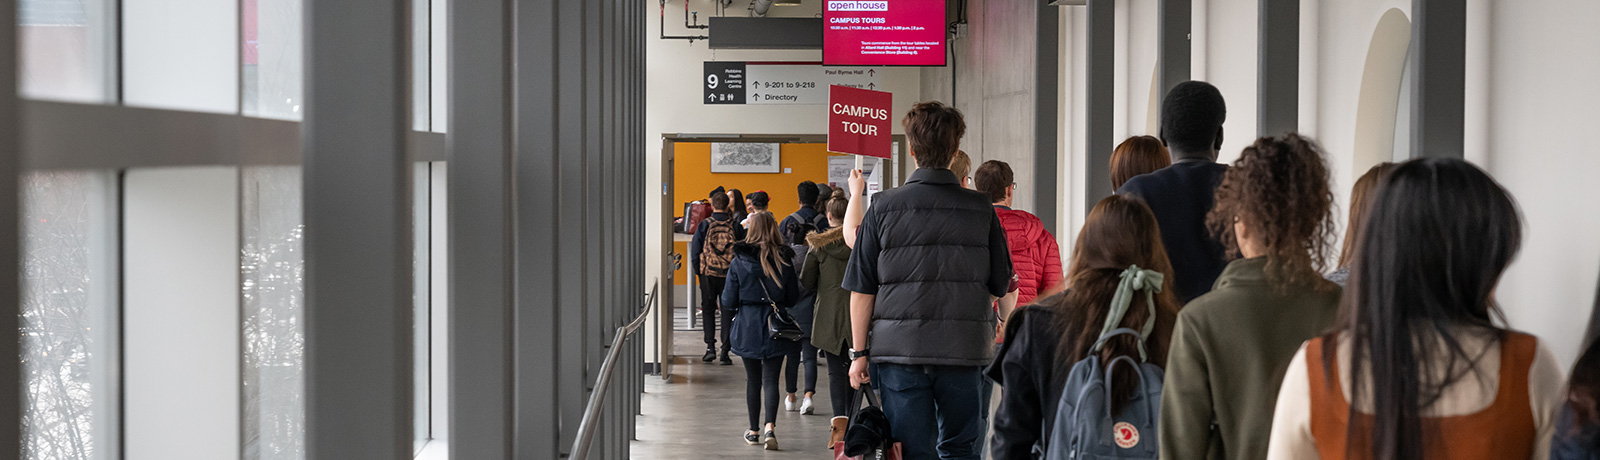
{"x":1204,"y":313}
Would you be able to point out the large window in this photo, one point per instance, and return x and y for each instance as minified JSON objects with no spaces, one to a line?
{"x":66,"y":49}
{"x":273,"y":271}
{"x":68,"y":316}
{"x":271,"y":58}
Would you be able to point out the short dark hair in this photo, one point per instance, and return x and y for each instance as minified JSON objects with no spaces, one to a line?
{"x":992,"y":178}
{"x":719,"y":202}
{"x":934,"y":131}
{"x":1191,"y":115}
{"x":808,"y":193}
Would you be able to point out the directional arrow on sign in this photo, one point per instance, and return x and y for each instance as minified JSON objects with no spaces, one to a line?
{"x":872,"y":86}
{"x":711,"y":97}
{"x":758,"y":96}
{"x":871,"y":72}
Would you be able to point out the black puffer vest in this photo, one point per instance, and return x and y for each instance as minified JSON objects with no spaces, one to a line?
{"x":934,"y":254}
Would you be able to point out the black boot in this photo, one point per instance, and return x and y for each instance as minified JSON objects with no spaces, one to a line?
{"x":711,"y":355}
{"x":725,"y":359}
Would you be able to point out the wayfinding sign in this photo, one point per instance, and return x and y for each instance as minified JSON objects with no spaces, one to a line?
{"x":782,"y":82}
{"x":858,"y":121}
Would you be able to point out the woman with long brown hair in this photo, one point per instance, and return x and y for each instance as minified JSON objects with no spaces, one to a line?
{"x":760,"y":277}
{"x":1231,"y":345}
{"x":1044,"y":339}
{"x":1361,"y":196}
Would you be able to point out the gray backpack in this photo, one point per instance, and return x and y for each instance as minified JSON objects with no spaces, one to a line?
{"x":1084,"y":426}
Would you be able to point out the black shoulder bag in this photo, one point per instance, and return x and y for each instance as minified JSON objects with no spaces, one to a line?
{"x":780,"y":324}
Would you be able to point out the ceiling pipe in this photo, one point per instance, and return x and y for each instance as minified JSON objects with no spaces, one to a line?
{"x":758,"y":8}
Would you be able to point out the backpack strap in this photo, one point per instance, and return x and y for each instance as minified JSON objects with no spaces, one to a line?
{"x":1133,"y":279}
{"x":1144,"y":384}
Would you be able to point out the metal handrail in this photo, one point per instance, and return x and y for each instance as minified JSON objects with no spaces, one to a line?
{"x":597,"y":398}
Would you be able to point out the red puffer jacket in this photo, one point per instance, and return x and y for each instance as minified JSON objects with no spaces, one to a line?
{"x":1035,"y":256}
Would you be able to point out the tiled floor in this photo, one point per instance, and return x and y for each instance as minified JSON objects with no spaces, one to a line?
{"x":700,"y":413}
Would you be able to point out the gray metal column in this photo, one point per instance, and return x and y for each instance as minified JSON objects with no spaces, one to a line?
{"x":598,"y":334}
{"x":1100,"y":75}
{"x":1046,"y":114}
{"x":1172,"y":44}
{"x":539,"y":370}
{"x":481,"y":232}
{"x":11,"y":383}
{"x":573,"y":330}
{"x":358,"y":230}
{"x":1438,"y":84}
{"x":610,"y":303}
{"x":1278,"y":67}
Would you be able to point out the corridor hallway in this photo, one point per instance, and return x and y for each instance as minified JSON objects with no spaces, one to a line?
{"x":700,"y":413}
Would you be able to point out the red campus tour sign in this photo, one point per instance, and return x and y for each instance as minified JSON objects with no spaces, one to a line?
{"x":858,"y":121}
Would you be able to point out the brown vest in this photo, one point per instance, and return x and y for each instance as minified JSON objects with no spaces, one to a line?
{"x":1504,"y":430}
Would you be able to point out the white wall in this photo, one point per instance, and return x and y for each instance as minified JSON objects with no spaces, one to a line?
{"x":674,"y":70}
{"x":181,"y":331}
{"x":1529,"y":98}
{"x":1543,"y":96}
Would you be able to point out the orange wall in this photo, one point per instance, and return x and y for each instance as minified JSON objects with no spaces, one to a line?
{"x":694,"y":181}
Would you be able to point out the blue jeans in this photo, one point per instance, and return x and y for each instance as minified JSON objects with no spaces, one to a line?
{"x":933,"y":411}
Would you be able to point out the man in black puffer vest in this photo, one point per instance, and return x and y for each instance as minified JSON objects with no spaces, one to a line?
{"x":929,"y":261}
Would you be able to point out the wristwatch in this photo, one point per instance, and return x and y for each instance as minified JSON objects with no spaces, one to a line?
{"x":858,"y":354}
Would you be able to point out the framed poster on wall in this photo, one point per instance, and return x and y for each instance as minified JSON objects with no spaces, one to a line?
{"x":745,"y":157}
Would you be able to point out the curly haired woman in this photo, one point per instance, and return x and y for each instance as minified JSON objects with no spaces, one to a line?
{"x":1231,"y":346}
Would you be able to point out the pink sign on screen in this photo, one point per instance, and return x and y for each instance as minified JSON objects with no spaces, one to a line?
{"x":883,"y":32}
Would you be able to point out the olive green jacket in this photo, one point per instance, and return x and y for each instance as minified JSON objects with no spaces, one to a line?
{"x":823,"y":272}
{"x":1229,"y":352}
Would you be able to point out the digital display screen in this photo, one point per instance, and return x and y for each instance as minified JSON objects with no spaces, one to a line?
{"x":883,"y":32}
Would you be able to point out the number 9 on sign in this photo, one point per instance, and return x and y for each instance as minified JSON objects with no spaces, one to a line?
{"x":711,"y":81}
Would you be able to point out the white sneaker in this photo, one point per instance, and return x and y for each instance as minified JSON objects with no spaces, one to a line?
{"x":806,"y":407}
{"x":788,"y":403}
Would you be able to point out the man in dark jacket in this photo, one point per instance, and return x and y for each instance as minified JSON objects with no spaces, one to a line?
{"x":1181,"y":195}
{"x":806,"y":215}
{"x":927,"y":266}
{"x":711,"y":265}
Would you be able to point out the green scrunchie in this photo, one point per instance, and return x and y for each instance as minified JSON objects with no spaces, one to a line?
{"x":1134,"y":279}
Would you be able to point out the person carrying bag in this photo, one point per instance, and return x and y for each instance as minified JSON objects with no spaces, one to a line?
{"x":868,"y":436}
{"x":762,"y":286}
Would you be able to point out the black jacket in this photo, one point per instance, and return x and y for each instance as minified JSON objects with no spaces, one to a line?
{"x":1026,"y":368}
{"x":744,"y":294}
{"x":1180,"y":196}
{"x":806,"y":215}
{"x":933,"y":253}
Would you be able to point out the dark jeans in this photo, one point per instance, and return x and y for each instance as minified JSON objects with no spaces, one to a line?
{"x":791,"y":368}
{"x":710,"y":294}
{"x":933,"y":410}
{"x":761,"y":374}
{"x":839,"y":391}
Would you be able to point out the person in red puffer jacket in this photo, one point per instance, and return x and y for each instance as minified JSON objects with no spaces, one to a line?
{"x":1035,"y":256}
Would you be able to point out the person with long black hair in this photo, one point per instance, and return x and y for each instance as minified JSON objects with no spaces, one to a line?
{"x":1120,"y":243}
{"x":760,"y":277}
{"x":1231,"y":345}
{"x":1419,"y":364}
